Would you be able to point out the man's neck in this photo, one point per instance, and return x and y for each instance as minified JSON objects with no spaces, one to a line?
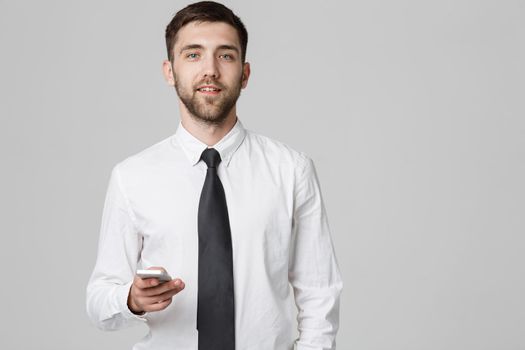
{"x":208,"y":133}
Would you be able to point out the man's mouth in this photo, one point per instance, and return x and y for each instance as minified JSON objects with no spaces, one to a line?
{"x":209,"y":89}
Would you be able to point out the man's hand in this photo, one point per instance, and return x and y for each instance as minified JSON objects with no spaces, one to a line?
{"x":149,"y":294}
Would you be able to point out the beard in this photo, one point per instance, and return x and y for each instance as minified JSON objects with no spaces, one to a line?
{"x":212,"y":110}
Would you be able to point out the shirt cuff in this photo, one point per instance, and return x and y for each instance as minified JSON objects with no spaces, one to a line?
{"x":122,"y":299}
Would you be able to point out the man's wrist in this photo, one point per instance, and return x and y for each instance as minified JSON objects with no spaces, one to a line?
{"x":132,"y":306}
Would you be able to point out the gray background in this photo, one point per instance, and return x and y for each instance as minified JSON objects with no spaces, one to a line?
{"x":413,"y":112}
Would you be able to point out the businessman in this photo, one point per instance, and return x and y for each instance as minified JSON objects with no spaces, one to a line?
{"x":235,"y":218}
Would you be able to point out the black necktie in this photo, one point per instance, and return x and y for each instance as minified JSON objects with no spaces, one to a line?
{"x":215,"y":304}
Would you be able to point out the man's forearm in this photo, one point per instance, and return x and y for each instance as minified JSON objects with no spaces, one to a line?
{"x":107,"y":306}
{"x":318,"y":318}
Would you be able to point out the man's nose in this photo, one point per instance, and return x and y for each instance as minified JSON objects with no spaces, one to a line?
{"x":211,"y":69}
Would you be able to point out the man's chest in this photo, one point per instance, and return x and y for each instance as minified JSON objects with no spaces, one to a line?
{"x":260,"y":209}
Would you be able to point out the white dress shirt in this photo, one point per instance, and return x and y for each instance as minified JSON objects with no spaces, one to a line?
{"x":282,"y":249}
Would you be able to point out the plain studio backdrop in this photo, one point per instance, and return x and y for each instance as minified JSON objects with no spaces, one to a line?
{"x":413,"y":112}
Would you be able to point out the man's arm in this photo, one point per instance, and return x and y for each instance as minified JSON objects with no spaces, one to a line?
{"x":313,"y":270}
{"x":118,"y":252}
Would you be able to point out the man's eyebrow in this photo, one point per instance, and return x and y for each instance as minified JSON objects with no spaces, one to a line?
{"x":229,"y":47}
{"x":198,"y":46}
{"x":191,"y":47}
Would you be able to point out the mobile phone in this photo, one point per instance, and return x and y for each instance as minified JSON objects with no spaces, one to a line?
{"x":159,"y":274}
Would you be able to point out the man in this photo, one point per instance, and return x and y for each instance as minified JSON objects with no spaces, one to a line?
{"x":237,"y":219}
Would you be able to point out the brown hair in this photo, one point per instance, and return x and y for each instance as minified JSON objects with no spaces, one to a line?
{"x":205,"y":11}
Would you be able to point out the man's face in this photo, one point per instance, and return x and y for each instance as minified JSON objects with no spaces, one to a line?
{"x":207,"y":70}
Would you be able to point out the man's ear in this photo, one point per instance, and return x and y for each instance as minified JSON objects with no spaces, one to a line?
{"x":245,"y":74}
{"x":167,"y":71}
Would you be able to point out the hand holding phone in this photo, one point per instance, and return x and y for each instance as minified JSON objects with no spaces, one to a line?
{"x":152,"y":290}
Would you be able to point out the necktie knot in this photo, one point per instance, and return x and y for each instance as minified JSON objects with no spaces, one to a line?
{"x":211,"y":157}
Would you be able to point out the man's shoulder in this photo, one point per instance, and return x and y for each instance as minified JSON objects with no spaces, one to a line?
{"x":276,"y":149}
{"x":148,"y":157}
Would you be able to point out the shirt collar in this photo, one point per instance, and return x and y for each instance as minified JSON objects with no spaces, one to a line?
{"x":226,"y":146}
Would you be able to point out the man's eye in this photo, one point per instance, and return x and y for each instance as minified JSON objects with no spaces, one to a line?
{"x":192,"y":55}
{"x":227,"y":57}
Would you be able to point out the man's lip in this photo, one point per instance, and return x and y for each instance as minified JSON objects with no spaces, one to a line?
{"x":209,"y":86}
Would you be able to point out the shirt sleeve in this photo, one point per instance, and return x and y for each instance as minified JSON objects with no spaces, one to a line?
{"x":313,"y":269}
{"x":118,"y":252}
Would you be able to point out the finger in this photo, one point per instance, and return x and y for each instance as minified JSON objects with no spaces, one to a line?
{"x":175,"y":284}
{"x":164,"y":296}
{"x":145,"y":283}
{"x":158,"y":306}
{"x":152,"y":299}
{"x":150,"y":282}
{"x":139,"y":283}
{"x":151,"y":303}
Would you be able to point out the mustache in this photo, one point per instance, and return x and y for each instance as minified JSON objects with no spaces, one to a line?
{"x":210,"y":82}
